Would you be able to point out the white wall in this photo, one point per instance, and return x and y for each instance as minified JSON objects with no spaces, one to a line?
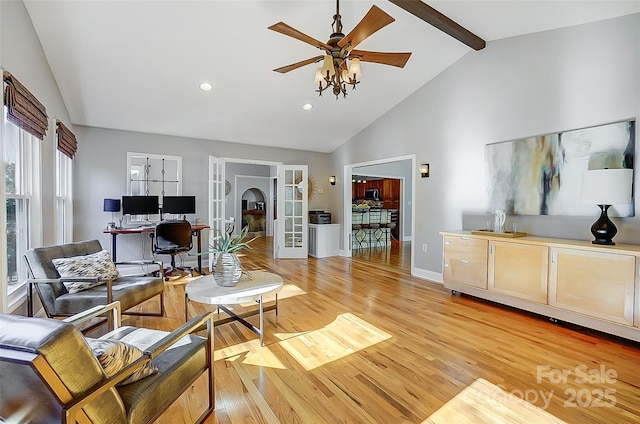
{"x":516,"y":87}
{"x":23,"y":57}
{"x":100,"y":172}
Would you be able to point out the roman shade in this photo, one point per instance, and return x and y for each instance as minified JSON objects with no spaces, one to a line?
{"x":23,"y":109}
{"x":66,"y":139}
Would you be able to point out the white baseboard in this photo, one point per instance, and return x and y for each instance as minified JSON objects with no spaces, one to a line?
{"x":435,"y":277}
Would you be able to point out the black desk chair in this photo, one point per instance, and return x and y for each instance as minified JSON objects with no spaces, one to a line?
{"x":170,"y":238}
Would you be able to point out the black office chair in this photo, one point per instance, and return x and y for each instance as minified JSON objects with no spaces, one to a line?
{"x":170,"y":238}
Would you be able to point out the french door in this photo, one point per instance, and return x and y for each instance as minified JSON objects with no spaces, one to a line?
{"x":216,"y":201}
{"x":291,"y":229}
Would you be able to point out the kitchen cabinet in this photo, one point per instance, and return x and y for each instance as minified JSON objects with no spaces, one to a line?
{"x":575,"y":281}
{"x":593,"y":283}
{"x":519,"y":270}
{"x":465,"y":261}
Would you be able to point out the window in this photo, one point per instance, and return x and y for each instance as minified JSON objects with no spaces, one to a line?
{"x":64,"y":200}
{"x":21,"y":163}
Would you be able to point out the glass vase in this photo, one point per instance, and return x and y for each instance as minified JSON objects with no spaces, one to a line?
{"x":227,"y":269}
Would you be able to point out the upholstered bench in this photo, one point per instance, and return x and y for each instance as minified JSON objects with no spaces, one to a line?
{"x":59,"y":293}
{"x":52,"y":373}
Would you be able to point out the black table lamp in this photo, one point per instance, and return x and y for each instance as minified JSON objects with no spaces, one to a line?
{"x":111,"y":205}
{"x":606,"y":187}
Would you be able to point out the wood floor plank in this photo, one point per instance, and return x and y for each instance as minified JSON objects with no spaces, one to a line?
{"x":360,"y":340}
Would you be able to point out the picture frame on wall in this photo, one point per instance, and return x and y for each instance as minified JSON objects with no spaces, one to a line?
{"x":542,"y":175}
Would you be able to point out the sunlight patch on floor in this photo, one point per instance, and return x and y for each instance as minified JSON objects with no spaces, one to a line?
{"x":345,"y":335}
{"x":287,"y":291}
{"x":249,"y":353}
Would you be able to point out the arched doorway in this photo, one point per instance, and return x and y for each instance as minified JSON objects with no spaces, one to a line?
{"x":254,"y":211}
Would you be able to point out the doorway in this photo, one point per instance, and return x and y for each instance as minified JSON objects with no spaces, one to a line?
{"x":401,"y":168}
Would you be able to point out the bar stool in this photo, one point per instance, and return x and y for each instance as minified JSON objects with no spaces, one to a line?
{"x":357,"y":232}
{"x":374,"y":226}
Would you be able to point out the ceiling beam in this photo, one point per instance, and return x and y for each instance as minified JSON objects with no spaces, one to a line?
{"x":440,"y":21}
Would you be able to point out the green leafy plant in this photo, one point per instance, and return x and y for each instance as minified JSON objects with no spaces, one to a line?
{"x":226,"y":243}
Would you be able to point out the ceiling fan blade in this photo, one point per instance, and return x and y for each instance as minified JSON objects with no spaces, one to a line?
{"x":392,"y":59}
{"x":285,"y":29}
{"x":374,"y":20}
{"x":440,"y":21}
{"x":285,"y":69}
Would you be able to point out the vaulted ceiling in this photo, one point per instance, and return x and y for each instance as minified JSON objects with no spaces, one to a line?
{"x":137,"y":65}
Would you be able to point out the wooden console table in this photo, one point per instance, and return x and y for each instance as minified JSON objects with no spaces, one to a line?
{"x":591,"y":285}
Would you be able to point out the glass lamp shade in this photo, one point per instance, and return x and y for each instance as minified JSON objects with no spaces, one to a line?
{"x":354,"y":68}
{"x":606,"y":187}
{"x":319,"y":78}
{"x":328,"y":66}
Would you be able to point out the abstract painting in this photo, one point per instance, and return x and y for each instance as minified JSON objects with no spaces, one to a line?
{"x":543,"y":175}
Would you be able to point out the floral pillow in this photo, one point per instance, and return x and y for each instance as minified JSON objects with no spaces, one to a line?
{"x":97,"y":264}
{"x":114,"y":355}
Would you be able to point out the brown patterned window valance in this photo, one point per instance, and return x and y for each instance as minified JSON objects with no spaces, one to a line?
{"x":67,"y":143}
{"x":24,"y":109}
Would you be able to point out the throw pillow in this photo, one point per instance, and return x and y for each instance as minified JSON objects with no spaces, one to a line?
{"x":114,"y":355}
{"x":97,"y":264}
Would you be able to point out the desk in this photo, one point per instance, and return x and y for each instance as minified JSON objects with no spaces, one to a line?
{"x":252,"y":285}
{"x":196,"y":230}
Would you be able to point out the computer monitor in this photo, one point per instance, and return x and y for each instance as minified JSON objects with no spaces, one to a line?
{"x":179,"y":205}
{"x":140,"y":205}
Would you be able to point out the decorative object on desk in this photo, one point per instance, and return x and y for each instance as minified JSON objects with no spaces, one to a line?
{"x":606,"y":187}
{"x":227,"y":268}
{"x":424,"y":170}
{"x":542,"y":175}
{"x":111,"y":205}
{"x":332,"y":180}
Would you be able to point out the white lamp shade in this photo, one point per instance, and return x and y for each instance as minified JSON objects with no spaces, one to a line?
{"x":607,"y":186}
{"x":328,"y":66}
{"x":319,"y":78}
{"x":354,"y":68}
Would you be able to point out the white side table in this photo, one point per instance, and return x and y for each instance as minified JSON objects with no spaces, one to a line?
{"x":251,"y":287}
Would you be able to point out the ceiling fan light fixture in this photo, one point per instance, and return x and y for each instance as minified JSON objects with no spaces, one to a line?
{"x":354,"y":69}
{"x":319,"y":78}
{"x":327,"y":66}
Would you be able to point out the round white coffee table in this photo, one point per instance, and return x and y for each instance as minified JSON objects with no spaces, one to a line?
{"x":251,"y":287}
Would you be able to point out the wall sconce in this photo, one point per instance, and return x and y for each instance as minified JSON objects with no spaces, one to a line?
{"x":332,"y":180}
{"x":424,"y":170}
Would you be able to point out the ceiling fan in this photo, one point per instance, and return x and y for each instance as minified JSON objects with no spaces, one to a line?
{"x":340,"y":48}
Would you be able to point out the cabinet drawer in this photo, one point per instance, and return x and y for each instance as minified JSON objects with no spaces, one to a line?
{"x":465,"y":261}
{"x":469,"y":249}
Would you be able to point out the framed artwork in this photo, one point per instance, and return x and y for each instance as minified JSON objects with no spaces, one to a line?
{"x":543,"y":175}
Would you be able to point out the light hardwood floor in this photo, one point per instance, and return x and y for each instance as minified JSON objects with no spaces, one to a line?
{"x":359,"y":340}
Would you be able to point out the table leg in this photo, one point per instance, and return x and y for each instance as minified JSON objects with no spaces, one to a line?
{"x":186,"y":307}
{"x":113,"y":246}
{"x":199,"y":242}
{"x":261,"y":321}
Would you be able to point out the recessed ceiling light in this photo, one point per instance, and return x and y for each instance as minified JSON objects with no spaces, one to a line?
{"x":307,"y":106}
{"x":205,"y":86}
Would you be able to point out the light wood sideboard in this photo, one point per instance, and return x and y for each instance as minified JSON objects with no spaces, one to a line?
{"x":568,"y":280}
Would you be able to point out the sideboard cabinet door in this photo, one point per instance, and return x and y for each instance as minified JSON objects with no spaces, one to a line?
{"x":593,"y":283}
{"x":465,"y":261}
{"x":519,"y":270}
